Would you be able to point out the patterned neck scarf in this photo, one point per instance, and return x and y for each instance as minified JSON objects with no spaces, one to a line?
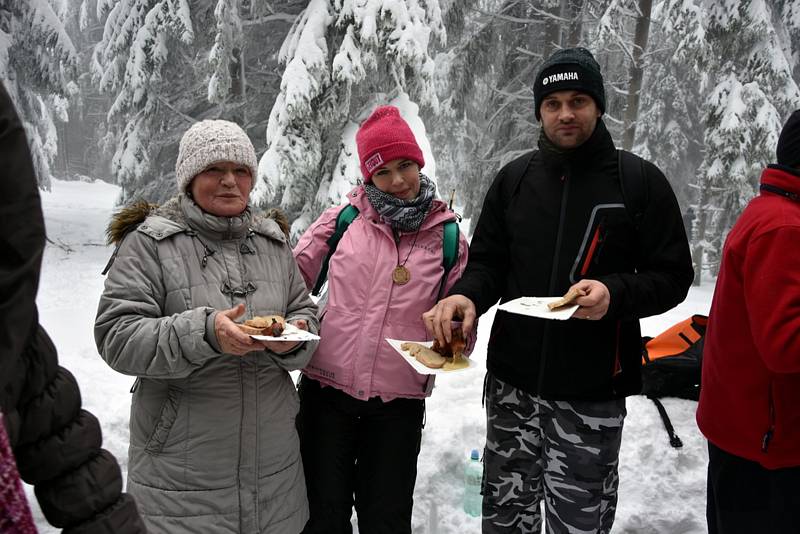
{"x":402,"y":215}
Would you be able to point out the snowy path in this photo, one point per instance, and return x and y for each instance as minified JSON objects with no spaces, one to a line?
{"x":662,"y":490}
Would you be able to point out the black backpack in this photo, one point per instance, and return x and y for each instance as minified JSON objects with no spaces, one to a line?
{"x":671,"y":364}
{"x":632,"y":181}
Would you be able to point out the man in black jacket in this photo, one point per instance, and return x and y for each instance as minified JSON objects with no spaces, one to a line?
{"x":56,"y":444}
{"x":554,"y":220}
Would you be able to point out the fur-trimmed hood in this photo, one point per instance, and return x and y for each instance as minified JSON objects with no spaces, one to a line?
{"x":129,"y":217}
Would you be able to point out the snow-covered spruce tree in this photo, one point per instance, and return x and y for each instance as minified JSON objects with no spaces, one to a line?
{"x":169,"y":63}
{"x":786,"y":18}
{"x":486,"y":88}
{"x":342,"y":58}
{"x":670,"y":120}
{"x":752,"y":92}
{"x":37,"y":66}
{"x":622,"y":35}
{"x":129,"y":62}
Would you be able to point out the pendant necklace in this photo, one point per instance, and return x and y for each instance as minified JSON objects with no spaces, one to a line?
{"x":401,"y":275}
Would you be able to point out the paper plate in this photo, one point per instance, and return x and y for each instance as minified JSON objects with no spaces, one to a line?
{"x":290,"y":333}
{"x":537,"y":307}
{"x":420,"y":368}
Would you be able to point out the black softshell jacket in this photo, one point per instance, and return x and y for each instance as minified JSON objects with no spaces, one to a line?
{"x":565,"y":221}
{"x":57,"y":445}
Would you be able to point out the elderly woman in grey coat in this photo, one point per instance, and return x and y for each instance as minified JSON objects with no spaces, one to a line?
{"x":213,"y":445}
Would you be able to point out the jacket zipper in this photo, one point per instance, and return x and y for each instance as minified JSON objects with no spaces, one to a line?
{"x":771,"y":430}
{"x":553,"y":281}
{"x":396,"y":236}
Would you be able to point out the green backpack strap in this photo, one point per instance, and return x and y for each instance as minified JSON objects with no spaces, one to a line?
{"x":449,"y":250}
{"x":450,"y":246}
{"x":343,"y":220}
{"x":350,"y":212}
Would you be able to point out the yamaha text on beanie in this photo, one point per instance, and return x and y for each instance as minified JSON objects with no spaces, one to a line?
{"x":212,"y":141}
{"x":570,"y":69}
{"x":384,"y":137}
{"x":788,"y":150}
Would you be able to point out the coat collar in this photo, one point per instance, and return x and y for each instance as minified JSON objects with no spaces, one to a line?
{"x":598,"y":146}
{"x":783,"y":177}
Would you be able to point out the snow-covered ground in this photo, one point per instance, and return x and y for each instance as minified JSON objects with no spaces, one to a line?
{"x":662,"y":490}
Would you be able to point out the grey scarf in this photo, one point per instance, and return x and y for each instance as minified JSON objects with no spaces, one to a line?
{"x":403,"y":215}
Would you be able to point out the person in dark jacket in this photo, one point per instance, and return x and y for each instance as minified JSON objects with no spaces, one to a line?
{"x":56,"y":444}
{"x":555,"y":391}
{"x":749,"y":405}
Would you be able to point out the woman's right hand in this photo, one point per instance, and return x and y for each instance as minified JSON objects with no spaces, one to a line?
{"x":232,"y":340}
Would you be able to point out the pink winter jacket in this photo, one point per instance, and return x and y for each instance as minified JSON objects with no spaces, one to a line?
{"x":364,"y":305}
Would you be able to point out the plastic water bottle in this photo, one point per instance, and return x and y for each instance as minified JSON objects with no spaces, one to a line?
{"x":473,"y":474}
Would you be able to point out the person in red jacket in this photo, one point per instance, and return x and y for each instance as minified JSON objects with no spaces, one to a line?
{"x":749,"y":406}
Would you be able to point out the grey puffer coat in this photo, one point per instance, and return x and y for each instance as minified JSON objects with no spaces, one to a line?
{"x":213,"y":445}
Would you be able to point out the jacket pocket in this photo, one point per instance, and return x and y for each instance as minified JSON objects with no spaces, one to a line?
{"x":169,"y":412}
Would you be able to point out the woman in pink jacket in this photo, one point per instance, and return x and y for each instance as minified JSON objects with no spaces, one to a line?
{"x":361,"y":405}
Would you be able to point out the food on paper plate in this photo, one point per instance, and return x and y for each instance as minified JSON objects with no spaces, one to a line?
{"x":424,"y":355}
{"x":249,"y":330}
{"x":568,"y":299}
{"x":448,"y":357}
{"x":264,"y":325}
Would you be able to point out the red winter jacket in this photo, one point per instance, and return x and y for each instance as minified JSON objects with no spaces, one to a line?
{"x":750,"y":396}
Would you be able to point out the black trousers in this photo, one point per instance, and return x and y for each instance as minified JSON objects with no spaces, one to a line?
{"x":358,"y":452}
{"x":746,"y":498}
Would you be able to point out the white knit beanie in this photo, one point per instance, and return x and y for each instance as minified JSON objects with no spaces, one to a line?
{"x":212,"y":141}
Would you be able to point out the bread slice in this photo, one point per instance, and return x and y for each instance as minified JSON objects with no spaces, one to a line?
{"x":264,"y":321}
{"x":427,"y":357}
{"x":250,"y":330}
{"x":568,"y":299}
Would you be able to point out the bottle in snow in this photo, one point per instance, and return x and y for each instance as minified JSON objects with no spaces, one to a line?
{"x":473,"y":474}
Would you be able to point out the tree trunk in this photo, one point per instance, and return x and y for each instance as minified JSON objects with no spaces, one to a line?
{"x":236,"y":70}
{"x":636,"y":72}
{"x":573,"y":11}
{"x":700,"y":232}
{"x":552,"y":32}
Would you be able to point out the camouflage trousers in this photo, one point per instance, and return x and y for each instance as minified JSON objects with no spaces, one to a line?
{"x":564,"y":454}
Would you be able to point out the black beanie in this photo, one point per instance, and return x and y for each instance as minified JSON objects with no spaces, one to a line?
{"x":570,"y":69}
{"x":788,"y":150}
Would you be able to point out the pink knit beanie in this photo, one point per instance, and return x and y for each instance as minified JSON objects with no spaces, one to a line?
{"x":384,"y":137}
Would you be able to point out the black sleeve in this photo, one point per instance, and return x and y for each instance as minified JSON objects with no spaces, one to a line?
{"x":58,"y":451}
{"x":487,"y":268}
{"x":56,"y":444}
{"x":21,"y":235}
{"x":664,"y":266}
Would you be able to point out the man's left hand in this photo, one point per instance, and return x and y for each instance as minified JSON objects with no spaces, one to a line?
{"x":594,"y":303}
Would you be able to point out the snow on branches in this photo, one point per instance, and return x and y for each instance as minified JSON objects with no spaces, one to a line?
{"x":38,"y":62}
{"x":342,"y":58}
{"x":129,"y":61}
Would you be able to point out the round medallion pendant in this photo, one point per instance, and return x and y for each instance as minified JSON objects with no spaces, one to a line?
{"x":401,"y":275}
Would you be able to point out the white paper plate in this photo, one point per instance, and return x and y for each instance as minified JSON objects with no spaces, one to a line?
{"x":290,"y":333}
{"x":420,"y":368}
{"x":537,"y":307}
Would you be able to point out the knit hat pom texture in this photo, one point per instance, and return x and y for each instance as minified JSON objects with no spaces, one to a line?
{"x":212,"y":141}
